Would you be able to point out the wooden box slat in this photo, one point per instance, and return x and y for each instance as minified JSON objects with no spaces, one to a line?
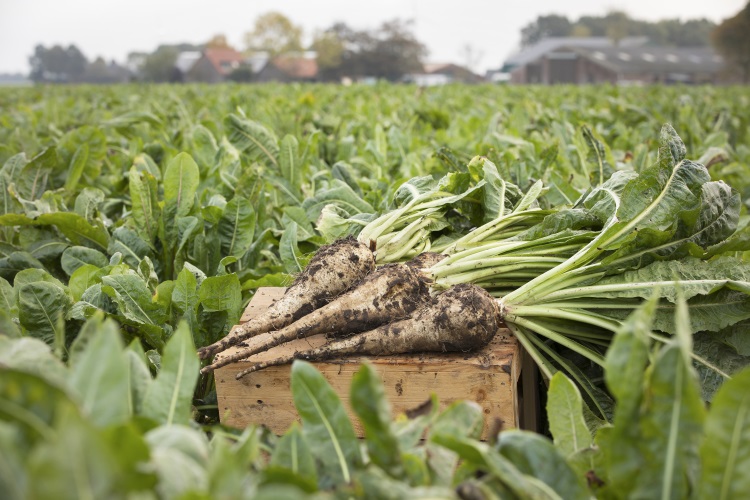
{"x":488,"y":377}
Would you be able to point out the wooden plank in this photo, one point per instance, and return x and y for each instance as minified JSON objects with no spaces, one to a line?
{"x":489,"y":377}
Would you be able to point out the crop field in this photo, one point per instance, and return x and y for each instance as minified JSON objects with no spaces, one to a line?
{"x":609,"y":225}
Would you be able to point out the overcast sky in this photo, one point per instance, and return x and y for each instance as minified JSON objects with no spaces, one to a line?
{"x":112,"y":28}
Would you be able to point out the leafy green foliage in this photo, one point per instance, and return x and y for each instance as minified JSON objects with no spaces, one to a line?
{"x":165,"y":211}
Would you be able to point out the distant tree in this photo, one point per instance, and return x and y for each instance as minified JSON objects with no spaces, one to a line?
{"x":97,"y":72}
{"x":618,"y":26}
{"x":274,"y":33}
{"x":580,"y":30}
{"x":329,"y":49}
{"x":57,"y":64}
{"x":397,"y":51}
{"x":389,"y":52}
{"x":159,"y":65}
{"x":732,"y":39}
{"x":218,"y":42}
{"x":544,"y":27}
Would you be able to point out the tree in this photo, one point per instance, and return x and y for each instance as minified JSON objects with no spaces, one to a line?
{"x":329,"y":49}
{"x":389,"y":52}
{"x":218,"y":42}
{"x":618,"y":26}
{"x":274,"y":33}
{"x":732,"y":40}
{"x":543,"y":27}
{"x":57,"y":64}
{"x":159,"y":65}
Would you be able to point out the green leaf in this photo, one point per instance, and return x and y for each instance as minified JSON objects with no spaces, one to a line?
{"x":290,"y":162}
{"x":369,"y":403}
{"x":18,"y":262}
{"x":565,"y":414}
{"x":33,"y":178}
{"x":140,"y":375}
{"x":222,"y":293}
{"x":100,"y":377}
{"x":671,"y":428}
{"x":289,"y":252}
{"x":535,"y":456}
{"x":13,"y":478}
{"x":326,"y":426}
{"x":75,"y":465}
{"x":168,"y":398}
{"x":91,"y":138}
{"x":340,"y":195}
{"x":692,"y":276}
{"x":671,"y":148}
{"x":179,"y":456}
{"x":297,"y":215}
{"x":274,"y":279}
{"x":8,"y":298}
{"x":42,"y":307}
{"x":144,"y":199}
{"x":237,"y":227}
{"x":84,"y":277}
{"x":254,"y":140}
{"x":292,"y":455}
{"x":625,"y":366}
{"x":77,"y":165}
{"x":133,"y":298}
{"x":185,"y":297}
{"x":132,"y":247}
{"x":31,"y":403}
{"x":725,"y":453}
{"x":76,"y":228}
{"x":181,"y":180}
{"x":461,"y":419}
{"x":33,"y":356}
{"x":75,"y":257}
{"x":88,"y":202}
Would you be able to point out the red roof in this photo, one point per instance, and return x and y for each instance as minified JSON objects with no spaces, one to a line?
{"x":297,"y":67}
{"x":223,"y":60}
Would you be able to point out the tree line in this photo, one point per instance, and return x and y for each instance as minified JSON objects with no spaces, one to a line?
{"x":388,"y":51}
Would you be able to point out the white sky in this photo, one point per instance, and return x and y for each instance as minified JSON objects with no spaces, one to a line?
{"x":112,"y":28}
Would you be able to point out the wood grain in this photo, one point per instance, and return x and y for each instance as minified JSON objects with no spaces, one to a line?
{"x":488,"y":377}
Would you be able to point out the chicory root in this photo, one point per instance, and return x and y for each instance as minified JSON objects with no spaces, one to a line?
{"x":390,"y":293}
{"x":461,"y":319}
{"x":333,"y":270}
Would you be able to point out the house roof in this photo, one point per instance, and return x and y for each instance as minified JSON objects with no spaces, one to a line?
{"x":545,"y":45}
{"x":296,"y":67}
{"x":654,"y":60}
{"x":224,"y":60}
{"x":451,"y":69}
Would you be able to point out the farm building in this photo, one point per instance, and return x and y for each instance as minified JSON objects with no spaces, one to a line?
{"x":289,"y":68}
{"x":213,"y":65}
{"x":598,"y":60}
{"x":443,"y":73}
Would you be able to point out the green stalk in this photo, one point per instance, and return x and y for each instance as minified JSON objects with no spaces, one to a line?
{"x":560,"y":339}
{"x":524,"y":338}
{"x":471,"y":277}
{"x":468,"y":265}
{"x":553,"y":312}
{"x":582,"y":382}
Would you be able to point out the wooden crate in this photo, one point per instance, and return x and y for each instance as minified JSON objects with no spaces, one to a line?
{"x":489,"y":377}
